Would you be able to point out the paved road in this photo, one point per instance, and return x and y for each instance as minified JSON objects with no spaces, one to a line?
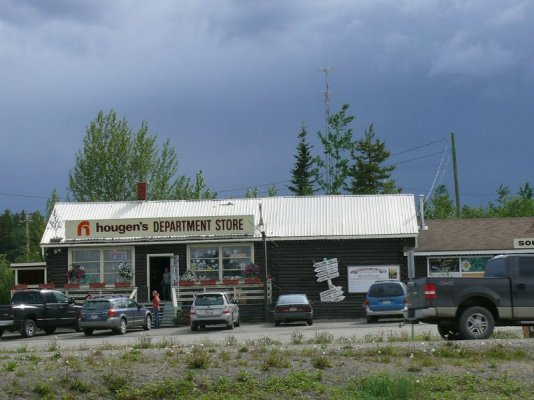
{"x":357,"y":329}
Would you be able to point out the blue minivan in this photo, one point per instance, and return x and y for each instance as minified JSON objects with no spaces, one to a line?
{"x":385,"y":299}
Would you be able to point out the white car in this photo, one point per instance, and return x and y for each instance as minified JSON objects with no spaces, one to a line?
{"x":212,"y":308}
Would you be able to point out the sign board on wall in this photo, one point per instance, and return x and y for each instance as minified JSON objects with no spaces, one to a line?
{"x":524,"y":243}
{"x":361,"y":277}
{"x":325,"y":271}
{"x":160,"y":227}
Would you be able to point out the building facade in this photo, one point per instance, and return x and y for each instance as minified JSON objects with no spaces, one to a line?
{"x":328,"y":247}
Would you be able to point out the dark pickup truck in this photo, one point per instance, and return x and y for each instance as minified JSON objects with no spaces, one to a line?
{"x":32,"y":309}
{"x":470,"y":308}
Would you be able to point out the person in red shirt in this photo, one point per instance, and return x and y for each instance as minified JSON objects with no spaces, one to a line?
{"x":155,"y":308}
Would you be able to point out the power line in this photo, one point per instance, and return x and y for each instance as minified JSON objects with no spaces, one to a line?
{"x":23,"y":195}
{"x":419,"y":147}
{"x":417,"y":158}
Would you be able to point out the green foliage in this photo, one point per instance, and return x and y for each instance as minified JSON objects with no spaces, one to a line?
{"x":7,"y":279}
{"x":304,"y":172}
{"x":386,"y":386}
{"x":251,"y":193}
{"x":114,"y":159}
{"x":19,"y":230}
{"x":440,"y":205}
{"x":367,"y":175}
{"x":337,"y":144}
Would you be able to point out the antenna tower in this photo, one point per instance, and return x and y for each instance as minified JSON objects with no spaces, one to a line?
{"x":328,"y":160}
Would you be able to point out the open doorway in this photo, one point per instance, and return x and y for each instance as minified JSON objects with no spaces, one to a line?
{"x":156,"y":267}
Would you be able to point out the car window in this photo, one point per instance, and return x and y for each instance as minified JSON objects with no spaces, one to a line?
{"x":293,"y":299}
{"x":61,"y":298}
{"x":131,"y":303}
{"x":50,"y":297}
{"x":386,"y":289}
{"x":97,"y":305}
{"x":209,"y":300}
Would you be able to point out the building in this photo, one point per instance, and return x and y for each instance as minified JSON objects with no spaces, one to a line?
{"x":328,"y":247}
{"x":461,"y":247}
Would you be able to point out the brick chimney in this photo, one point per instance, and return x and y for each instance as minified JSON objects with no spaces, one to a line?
{"x":141,"y":191}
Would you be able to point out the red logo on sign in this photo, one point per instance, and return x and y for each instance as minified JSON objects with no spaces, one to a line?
{"x":84,"y":227}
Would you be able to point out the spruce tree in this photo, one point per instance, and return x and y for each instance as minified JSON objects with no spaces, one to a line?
{"x":304,"y":172}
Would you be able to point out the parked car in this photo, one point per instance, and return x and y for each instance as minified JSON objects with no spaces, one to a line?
{"x":212,"y":308}
{"x":116,"y":313}
{"x":291,"y":308}
{"x":385,"y":299}
{"x":38,"y":308}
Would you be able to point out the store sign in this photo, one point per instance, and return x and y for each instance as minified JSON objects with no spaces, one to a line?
{"x":362,"y":277}
{"x":524,"y":243}
{"x":160,"y":227}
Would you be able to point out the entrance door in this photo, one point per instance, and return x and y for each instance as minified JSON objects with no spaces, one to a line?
{"x":156,"y":267}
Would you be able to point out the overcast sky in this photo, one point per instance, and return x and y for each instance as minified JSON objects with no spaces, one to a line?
{"x":230,"y":83}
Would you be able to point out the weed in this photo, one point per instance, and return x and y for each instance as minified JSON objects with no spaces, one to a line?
{"x":43,"y":389}
{"x":131,"y":356}
{"x":275,"y":359}
{"x":143,"y":342}
{"x":21,"y":349}
{"x":321,"y":362}
{"x":52,"y":345}
{"x":230,"y":340}
{"x":387,"y":387}
{"x":323,"y":337}
{"x":114,"y":383}
{"x":10,"y":366}
{"x":198,"y":359}
{"x":297,"y":337}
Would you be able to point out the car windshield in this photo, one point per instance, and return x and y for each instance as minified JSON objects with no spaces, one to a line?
{"x":209,"y":300}
{"x":97,"y":305}
{"x":386,"y":289}
{"x":293,"y":299}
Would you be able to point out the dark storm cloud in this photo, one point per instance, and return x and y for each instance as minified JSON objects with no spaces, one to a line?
{"x":231,"y":82}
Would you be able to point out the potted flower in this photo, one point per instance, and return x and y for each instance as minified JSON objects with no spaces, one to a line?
{"x":125,"y":271}
{"x":188,"y":278}
{"x":252,"y":273}
{"x":75,"y":274}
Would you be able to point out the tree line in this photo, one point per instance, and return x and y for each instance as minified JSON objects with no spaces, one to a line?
{"x":114,"y":158}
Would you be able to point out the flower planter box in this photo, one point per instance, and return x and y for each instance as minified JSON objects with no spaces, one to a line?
{"x":97,"y":285}
{"x":252,"y":280}
{"x":71,"y":286}
{"x":208,"y":282}
{"x":20,"y":287}
{"x":230,"y":281}
{"x":122,"y":284}
{"x":186,"y":283}
{"x":46,"y":286}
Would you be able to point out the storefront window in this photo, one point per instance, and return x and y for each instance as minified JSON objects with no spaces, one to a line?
{"x":102,"y":265}
{"x":218,"y":262}
{"x":457,"y":266}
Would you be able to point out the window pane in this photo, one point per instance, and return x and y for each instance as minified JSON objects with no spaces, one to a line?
{"x":205,"y":262}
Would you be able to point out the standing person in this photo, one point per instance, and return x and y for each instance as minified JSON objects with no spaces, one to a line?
{"x":166,"y":284}
{"x":155,"y":308}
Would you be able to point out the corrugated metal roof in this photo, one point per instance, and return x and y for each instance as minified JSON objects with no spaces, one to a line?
{"x":284,"y":217}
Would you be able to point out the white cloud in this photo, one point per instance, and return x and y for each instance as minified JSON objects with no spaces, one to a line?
{"x":461,"y":56}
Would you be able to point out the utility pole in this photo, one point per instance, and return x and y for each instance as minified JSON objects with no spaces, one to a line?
{"x":455,"y":171}
{"x":27,"y":230}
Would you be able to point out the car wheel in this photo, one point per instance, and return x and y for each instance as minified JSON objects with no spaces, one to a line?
{"x":28,"y":328}
{"x":449,"y":331}
{"x":194,"y":327}
{"x":148,"y":323}
{"x":49,"y":330}
{"x":1,"y":331}
{"x":276,"y":323}
{"x":310,"y":322}
{"x":88,"y":332}
{"x":230,"y":325}
{"x":476,"y":323}
{"x":123,"y":327}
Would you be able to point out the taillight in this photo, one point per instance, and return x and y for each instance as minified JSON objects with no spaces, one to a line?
{"x":112,"y":313}
{"x":430,"y":291}
{"x":226,"y":311}
{"x":304,"y":309}
{"x":282,"y":309}
{"x":365,"y":303}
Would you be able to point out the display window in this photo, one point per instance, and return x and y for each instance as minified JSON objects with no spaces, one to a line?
{"x":457,"y":266}
{"x":107,"y":265}
{"x":223,"y":261}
